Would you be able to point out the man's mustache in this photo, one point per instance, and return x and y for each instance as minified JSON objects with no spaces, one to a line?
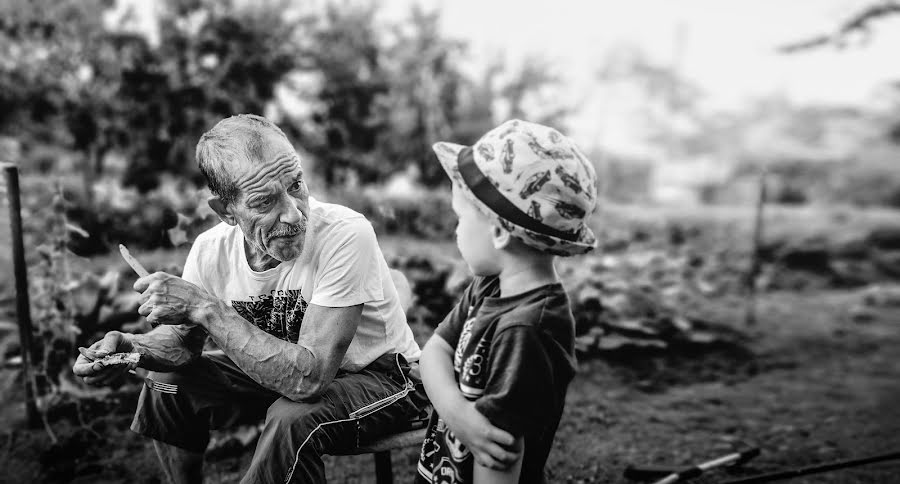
{"x":287,"y":230}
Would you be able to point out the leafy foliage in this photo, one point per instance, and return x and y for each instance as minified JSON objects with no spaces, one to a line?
{"x":113,"y":90}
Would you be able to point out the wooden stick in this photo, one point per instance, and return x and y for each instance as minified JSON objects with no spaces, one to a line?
{"x":23,"y":309}
{"x":133,"y":262}
{"x":755,"y":256}
{"x":138,"y":268}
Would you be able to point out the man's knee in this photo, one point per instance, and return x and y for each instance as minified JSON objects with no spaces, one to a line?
{"x":287,"y":413}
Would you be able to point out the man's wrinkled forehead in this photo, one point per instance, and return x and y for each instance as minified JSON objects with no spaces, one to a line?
{"x":268,"y":149}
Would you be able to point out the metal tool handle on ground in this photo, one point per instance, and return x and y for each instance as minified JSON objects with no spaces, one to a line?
{"x":816,"y":469}
{"x":691,"y":472}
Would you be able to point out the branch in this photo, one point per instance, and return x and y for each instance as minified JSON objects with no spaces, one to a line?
{"x":859,"y":22}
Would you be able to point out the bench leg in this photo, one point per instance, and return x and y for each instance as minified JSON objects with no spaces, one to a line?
{"x":383,"y":472}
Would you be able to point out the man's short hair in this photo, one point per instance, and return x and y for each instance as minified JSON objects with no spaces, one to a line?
{"x":238,"y":137}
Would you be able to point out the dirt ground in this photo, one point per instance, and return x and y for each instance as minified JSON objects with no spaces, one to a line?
{"x":814,"y":387}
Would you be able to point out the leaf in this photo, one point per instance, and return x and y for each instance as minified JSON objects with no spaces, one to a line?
{"x":178,"y":233}
{"x":634,"y":326}
{"x":681,"y":323}
{"x":616,"y":342}
{"x":109,"y":280}
{"x":78,"y":230}
{"x":702,"y":337}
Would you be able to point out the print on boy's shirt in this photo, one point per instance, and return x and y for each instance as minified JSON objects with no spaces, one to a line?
{"x":453,"y":467}
{"x":470,"y":363}
{"x":278,"y":313}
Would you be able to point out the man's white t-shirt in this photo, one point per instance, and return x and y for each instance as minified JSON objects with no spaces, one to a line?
{"x":341,"y":265}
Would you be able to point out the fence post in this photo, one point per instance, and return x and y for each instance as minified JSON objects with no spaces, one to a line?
{"x":23,"y":309}
{"x":755,"y":256}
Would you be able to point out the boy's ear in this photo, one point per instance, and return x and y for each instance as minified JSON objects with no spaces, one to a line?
{"x":221,"y":210}
{"x":500,"y":237}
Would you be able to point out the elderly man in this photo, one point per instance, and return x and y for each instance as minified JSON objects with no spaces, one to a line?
{"x":298,"y":297}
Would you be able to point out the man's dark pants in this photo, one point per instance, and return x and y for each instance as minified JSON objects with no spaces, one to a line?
{"x":180,"y":408}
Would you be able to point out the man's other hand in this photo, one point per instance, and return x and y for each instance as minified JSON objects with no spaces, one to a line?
{"x":168,"y":299}
{"x":89,"y":367}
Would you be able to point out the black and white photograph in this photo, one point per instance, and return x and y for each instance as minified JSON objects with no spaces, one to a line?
{"x":449,"y":241}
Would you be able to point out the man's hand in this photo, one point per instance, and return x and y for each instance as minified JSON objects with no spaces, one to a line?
{"x":491,"y":447}
{"x":89,"y":367}
{"x":168,"y":299}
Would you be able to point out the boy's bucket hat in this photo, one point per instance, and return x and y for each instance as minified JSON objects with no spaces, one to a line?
{"x":531,"y":180}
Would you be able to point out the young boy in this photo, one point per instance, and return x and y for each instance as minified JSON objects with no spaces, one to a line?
{"x":497,"y":367}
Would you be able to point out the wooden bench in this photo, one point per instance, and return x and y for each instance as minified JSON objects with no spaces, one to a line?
{"x":384,"y":474}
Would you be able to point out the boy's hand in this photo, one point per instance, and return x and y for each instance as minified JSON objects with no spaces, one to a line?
{"x":491,"y":447}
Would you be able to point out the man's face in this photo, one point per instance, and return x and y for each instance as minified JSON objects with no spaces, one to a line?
{"x":272,"y":208}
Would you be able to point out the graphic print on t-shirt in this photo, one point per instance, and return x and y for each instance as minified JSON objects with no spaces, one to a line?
{"x":278,"y":313}
{"x":470,"y":364}
{"x":453,"y":465}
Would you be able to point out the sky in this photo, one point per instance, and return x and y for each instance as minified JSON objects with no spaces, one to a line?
{"x":726,"y":46}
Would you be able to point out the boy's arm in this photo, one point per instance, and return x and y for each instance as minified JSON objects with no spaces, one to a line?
{"x":521,"y":387}
{"x":486,"y":475}
{"x":489,"y":445}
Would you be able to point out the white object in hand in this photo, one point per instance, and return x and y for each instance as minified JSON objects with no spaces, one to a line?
{"x":133,"y":262}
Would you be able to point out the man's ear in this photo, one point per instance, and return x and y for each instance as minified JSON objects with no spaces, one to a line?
{"x":500,"y":237}
{"x":221,"y":210}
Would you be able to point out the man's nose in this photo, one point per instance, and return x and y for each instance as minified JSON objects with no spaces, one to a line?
{"x":290,"y":213}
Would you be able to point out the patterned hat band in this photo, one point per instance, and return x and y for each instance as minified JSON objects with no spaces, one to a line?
{"x":484,"y":190}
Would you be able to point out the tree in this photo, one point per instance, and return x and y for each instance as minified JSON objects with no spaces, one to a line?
{"x":422,"y":104}
{"x":857,"y":25}
{"x":346,"y":56}
{"x":110,"y":90}
{"x":529,"y":92}
{"x":670,"y":114}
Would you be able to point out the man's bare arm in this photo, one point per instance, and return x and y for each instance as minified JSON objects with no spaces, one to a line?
{"x":298,"y":371}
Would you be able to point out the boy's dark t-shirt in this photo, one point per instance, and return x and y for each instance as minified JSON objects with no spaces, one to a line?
{"x":514,"y":356}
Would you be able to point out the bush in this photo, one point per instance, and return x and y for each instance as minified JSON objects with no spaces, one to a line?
{"x":122,"y":215}
{"x":867,"y":184}
{"x":428,"y":215}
